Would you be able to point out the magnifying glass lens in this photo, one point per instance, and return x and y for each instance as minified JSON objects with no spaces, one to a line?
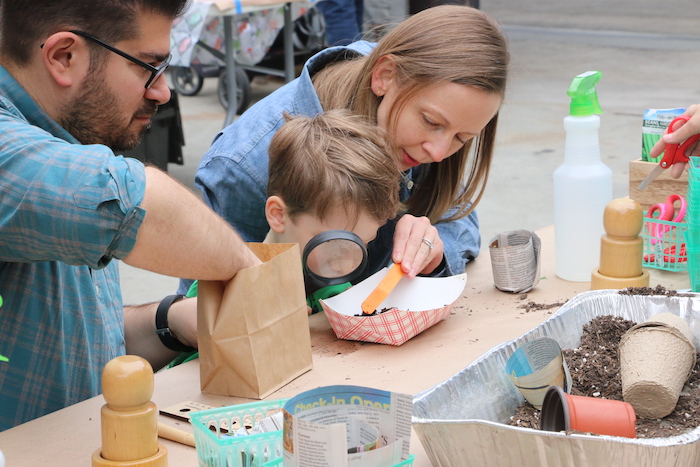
{"x":335,"y":258}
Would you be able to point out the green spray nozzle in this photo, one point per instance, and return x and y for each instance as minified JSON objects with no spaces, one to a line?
{"x":584,"y":100}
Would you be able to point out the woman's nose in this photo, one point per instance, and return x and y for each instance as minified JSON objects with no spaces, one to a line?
{"x":438,"y":148}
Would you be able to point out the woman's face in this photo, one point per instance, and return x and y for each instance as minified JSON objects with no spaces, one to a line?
{"x":435,"y":122}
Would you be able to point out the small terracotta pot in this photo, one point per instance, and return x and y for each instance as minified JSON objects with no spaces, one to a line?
{"x":562,"y":411}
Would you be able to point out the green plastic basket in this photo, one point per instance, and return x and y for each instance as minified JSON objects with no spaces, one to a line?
{"x":692,"y":235}
{"x":217,"y":447}
{"x":693,"y":246}
{"x":667,"y":251}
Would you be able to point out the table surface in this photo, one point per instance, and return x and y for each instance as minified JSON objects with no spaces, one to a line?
{"x":482,"y":318}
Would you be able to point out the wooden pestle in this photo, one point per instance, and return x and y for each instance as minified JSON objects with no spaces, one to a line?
{"x":621,"y":247}
{"x":129,"y":418}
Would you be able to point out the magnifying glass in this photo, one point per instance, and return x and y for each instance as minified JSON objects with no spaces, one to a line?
{"x":333,"y":257}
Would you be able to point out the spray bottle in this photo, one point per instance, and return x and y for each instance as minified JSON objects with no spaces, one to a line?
{"x":582,"y":185}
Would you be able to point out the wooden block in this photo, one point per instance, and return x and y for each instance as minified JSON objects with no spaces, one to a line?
{"x":659,"y":189}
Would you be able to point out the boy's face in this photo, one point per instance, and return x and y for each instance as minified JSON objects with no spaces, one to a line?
{"x":306,"y":226}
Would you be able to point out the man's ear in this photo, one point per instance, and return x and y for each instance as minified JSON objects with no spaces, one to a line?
{"x":275,"y":213}
{"x":66,"y":58}
{"x":383,"y":75}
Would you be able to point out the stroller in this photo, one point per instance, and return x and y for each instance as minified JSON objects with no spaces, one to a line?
{"x":309,"y":36}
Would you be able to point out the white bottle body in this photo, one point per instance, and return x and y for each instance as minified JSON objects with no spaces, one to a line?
{"x":582,"y":189}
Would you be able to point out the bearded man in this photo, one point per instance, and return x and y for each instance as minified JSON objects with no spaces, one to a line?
{"x":80,"y":81}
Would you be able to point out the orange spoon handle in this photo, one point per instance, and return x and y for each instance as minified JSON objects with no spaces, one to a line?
{"x":383,"y":289}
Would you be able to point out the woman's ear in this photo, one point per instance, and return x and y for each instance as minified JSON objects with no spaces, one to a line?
{"x":275,"y":213}
{"x":383,"y":75}
{"x":66,"y":58}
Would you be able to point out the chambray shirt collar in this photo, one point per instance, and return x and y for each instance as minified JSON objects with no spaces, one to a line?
{"x":13,"y":92}
{"x":305,"y":99}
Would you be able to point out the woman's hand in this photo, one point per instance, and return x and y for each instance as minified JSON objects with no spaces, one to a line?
{"x":679,"y":134}
{"x":412,"y":240}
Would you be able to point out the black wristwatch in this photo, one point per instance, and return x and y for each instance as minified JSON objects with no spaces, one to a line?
{"x":162,"y":329}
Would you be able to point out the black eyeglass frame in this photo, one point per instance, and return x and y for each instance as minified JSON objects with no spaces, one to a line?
{"x":156,"y":71}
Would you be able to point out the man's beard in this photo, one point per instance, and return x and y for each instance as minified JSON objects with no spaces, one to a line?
{"x":95,"y":116}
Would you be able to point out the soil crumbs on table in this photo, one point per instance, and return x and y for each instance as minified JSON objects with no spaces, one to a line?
{"x":658,"y":290}
{"x":595,"y":372}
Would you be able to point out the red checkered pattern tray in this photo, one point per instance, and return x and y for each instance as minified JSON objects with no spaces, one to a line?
{"x":392,"y":327}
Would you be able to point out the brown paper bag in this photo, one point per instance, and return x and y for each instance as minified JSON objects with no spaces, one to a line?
{"x":254,"y":333}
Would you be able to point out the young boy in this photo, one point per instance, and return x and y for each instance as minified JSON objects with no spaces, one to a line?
{"x":332,"y":171}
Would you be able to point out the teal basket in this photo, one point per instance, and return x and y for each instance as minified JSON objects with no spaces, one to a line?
{"x":693,"y":245}
{"x":217,"y":447}
{"x":692,"y":235}
{"x":278,"y":462}
{"x":667,"y":251}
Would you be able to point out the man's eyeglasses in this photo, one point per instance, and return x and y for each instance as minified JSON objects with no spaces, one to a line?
{"x":156,"y":71}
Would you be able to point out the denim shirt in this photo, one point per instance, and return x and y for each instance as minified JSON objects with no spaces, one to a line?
{"x":233,"y":173}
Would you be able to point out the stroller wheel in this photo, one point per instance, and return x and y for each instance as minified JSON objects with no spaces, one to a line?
{"x":186,"y":80}
{"x":243,"y":90}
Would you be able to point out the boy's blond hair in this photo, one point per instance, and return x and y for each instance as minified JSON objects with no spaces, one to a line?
{"x":333,"y":160}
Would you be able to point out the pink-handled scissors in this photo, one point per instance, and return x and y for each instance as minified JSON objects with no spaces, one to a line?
{"x":672,"y":154}
{"x":667,"y":212}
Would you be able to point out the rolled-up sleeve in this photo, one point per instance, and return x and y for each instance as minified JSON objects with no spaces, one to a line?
{"x":78,"y":204}
{"x":462,"y":241}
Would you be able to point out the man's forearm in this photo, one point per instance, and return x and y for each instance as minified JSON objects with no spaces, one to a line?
{"x":140,"y":330}
{"x":182,"y":237}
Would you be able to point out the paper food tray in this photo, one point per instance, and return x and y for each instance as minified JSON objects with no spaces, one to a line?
{"x":416,"y":304}
{"x":462,"y":421}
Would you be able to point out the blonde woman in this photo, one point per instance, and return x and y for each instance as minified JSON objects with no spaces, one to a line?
{"x":435,"y":83}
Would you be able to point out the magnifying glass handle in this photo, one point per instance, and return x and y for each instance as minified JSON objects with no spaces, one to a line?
{"x":383,"y":289}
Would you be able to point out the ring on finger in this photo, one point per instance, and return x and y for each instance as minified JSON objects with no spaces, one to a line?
{"x":428,"y":243}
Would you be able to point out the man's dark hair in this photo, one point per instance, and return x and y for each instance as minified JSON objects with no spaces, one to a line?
{"x":25,"y":24}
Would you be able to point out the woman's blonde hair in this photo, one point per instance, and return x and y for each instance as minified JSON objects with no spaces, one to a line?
{"x":447,"y":43}
{"x":332,"y":160}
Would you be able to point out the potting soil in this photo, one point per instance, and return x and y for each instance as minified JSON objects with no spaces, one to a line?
{"x":595,"y":372}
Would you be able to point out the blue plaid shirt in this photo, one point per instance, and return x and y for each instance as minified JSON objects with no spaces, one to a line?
{"x":66,"y":210}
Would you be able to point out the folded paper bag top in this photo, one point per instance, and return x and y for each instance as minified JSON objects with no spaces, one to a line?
{"x":413,"y":306}
{"x":254,"y":331}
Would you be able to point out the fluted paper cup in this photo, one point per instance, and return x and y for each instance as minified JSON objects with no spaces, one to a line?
{"x":536,"y":366}
{"x":656,"y":359}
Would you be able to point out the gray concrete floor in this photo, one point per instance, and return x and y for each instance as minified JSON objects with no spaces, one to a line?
{"x":646,"y":50}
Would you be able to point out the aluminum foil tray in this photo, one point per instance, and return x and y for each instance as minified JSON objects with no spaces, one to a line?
{"x":462,"y":421}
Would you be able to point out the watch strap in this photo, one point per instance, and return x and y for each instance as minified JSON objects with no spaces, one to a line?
{"x":162,"y":328}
